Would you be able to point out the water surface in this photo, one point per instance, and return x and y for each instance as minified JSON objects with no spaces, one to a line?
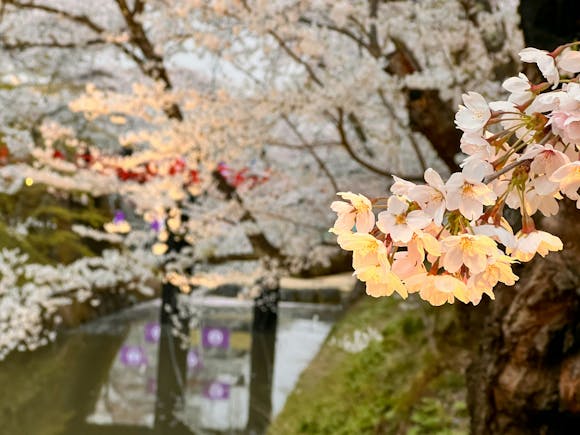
{"x":104,"y":378}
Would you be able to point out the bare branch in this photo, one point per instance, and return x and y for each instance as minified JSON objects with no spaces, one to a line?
{"x":315,"y":156}
{"x":346,"y":144}
{"x":260,"y":243}
{"x":79,"y":19}
{"x":297,"y":58}
{"x":505,"y":169}
{"x":27,"y":45}
{"x":342,"y":30}
{"x":410,"y":136}
{"x":155,"y":69}
{"x":138,"y":7}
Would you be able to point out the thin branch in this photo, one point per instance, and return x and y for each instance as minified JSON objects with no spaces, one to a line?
{"x":344,"y":140}
{"x":154,"y":69}
{"x":343,"y":31}
{"x":505,"y":169}
{"x":229,"y":258}
{"x":260,"y":243}
{"x":297,"y":58}
{"x":315,"y":156}
{"x":410,"y":136}
{"x":373,"y":47}
{"x":27,"y":45}
{"x":80,"y":19}
{"x":138,"y":7}
{"x":300,"y":146}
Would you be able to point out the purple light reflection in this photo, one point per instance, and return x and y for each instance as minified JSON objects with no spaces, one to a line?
{"x":215,"y":337}
{"x":133,"y":356}
{"x":152,"y":332}
{"x":217,"y":391}
{"x":193,"y":360}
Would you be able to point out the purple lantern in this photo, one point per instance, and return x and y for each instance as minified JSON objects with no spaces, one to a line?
{"x":217,"y":391}
{"x":119,"y":217}
{"x":215,"y":337}
{"x":133,"y":356}
{"x":193,"y":360}
{"x":157,"y":225}
{"x":152,"y":332}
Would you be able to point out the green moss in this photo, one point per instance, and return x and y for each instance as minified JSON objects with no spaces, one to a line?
{"x":53,"y":241}
{"x":9,"y":240}
{"x":410,"y":382}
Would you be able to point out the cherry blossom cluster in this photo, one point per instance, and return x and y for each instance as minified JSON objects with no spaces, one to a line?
{"x":34,"y":297}
{"x":450,"y":240}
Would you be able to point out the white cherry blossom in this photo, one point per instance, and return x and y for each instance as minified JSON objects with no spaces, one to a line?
{"x":545,"y":63}
{"x":474,"y":114}
{"x":569,"y":61}
{"x":398,"y":222}
{"x":431,"y":196}
{"x":519,"y":87}
{"x":466,"y":193}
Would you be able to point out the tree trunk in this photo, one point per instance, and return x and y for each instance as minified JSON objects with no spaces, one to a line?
{"x":524,"y":376}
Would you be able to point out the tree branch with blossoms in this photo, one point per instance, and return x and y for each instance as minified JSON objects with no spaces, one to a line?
{"x":450,"y":240}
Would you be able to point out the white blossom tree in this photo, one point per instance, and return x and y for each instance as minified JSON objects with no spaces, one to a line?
{"x":309,"y":96}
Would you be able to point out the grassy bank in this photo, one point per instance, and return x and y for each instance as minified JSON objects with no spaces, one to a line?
{"x":408,"y":380}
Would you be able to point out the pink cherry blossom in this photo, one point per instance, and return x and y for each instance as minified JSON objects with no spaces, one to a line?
{"x":546,"y":159}
{"x":469,"y":250}
{"x":431,"y":196}
{"x":497,"y":270}
{"x":466,"y":193}
{"x":358,"y":212}
{"x":367,"y":250}
{"x":568,"y":179}
{"x":542,"y":195}
{"x":474,"y":144}
{"x":502,"y":233}
{"x":410,"y":262}
{"x":532,"y":243}
{"x":381,"y":282}
{"x":398,"y":222}
{"x":401,"y":187}
{"x":566,"y":124}
{"x":437,"y":289}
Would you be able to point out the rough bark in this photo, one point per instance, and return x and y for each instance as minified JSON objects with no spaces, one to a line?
{"x":524,"y":377}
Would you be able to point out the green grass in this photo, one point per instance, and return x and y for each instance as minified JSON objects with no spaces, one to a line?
{"x":411,"y":382}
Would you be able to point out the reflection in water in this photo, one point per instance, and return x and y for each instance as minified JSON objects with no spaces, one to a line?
{"x":106,"y":378}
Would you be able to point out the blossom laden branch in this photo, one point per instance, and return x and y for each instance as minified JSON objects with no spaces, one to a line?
{"x":449,"y":240}
{"x":489,"y":178}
